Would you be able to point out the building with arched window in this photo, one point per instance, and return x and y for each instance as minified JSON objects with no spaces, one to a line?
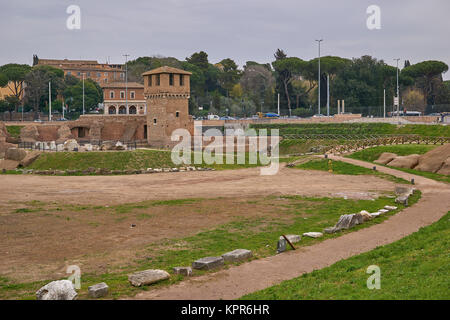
{"x":115,"y":99}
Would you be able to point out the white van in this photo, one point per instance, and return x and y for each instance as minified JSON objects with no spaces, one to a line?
{"x":213,"y":117}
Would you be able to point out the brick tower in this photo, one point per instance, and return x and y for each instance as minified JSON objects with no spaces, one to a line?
{"x":167,"y":92}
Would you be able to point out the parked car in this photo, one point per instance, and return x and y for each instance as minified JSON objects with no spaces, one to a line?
{"x":213,"y":117}
{"x":227,"y":118}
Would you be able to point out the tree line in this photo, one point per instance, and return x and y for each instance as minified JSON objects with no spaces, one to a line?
{"x":29,"y":89}
{"x":225,"y":89}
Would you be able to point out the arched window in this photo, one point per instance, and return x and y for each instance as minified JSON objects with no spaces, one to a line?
{"x":132,"y":110}
{"x":122,"y":110}
{"x":112,"y":110}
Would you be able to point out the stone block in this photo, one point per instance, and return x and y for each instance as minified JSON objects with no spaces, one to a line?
{"x":237,"y":255}
{"x":147,"y":277}
{"x":281,"y":245}
{"x":403,"y":199}
{"x":313,"y":234}
{"x":185,"y":271}
{"x":293,"y":238}
{"x":208,"y":263}
{"x":98,"y":290}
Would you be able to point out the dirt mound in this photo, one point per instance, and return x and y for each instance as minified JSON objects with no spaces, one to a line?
{"x":64,"y":134}
{"x":8,"y":164}
{"x":29,"y":158}
{"x":407,"y":162}
{"x":386,"y":157}
{"x":445,"y":169}
{"x":48,"y":133}
{"x":29,"y":133}
{"x":433,"y":160}
{"x":15,"y":154}
{"x":3,"y":132}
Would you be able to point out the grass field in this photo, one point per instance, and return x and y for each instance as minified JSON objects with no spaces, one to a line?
{"x":415,"y":267}
{"x":340,"y":167}
{"x":123,"y":160}
{"x":14,"y":130}
{"x":372,"y":154}
{"x":285,"y":215}
{"x":358,"y":128}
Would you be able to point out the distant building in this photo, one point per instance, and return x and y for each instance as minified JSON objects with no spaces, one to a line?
{"x":8,"y":90}
{"x":102,"y":73}
{"x":115,"y":101}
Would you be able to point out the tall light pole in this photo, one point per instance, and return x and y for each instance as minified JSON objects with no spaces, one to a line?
{"x":398,"y":98}
{"x":126,"y":80}
{"x":49,"y":101}
{"x":83,"y":93}
{"x":279,"y":105}
{"x":318,"y":89}
{"x":328,"y":95}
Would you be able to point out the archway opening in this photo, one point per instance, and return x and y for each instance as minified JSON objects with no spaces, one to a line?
{"x":112,"y":110}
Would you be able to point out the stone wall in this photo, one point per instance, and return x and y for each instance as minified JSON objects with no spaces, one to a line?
{"x":86,"y":128}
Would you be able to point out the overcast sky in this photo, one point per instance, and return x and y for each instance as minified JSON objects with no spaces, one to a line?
{"x":243,"y":30}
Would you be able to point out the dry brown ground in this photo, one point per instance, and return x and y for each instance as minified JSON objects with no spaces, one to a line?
{"x":203,"y":184}
{"x":60,"y":231}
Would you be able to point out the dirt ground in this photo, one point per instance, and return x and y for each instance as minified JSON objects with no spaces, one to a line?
{"x":106,"y":190}
{"x":47,"y":223}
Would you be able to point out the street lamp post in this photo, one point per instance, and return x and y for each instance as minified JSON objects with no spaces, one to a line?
{"x":83,"y":92}
{"x":318,"y":89}
{"x":49,"y":101}
{"x":398,"y":98}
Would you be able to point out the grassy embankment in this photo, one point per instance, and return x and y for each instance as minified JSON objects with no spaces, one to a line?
{"x":123,"y":160}
{"x":295,"y":146}
{"x":358,"y":129}
{"x":14,"y":130}
{"x":415,"y":267}
{"x":372,"y":154}
{"x":339,"y":167}
{"x":291,"y":215}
